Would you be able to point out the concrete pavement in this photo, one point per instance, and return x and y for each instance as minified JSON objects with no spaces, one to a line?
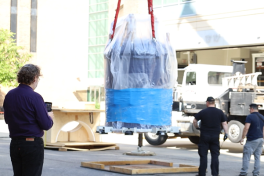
{"x":178,"y":151}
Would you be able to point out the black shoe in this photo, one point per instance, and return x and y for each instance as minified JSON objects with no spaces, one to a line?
{"x":242,"y":175}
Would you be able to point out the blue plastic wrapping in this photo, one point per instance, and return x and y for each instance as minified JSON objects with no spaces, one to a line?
{"x":140,"y":73}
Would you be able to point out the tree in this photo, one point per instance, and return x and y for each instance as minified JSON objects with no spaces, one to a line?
{"x":12,"y":58}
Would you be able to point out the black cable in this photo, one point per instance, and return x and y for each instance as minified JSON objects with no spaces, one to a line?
{"x":91,"y":117}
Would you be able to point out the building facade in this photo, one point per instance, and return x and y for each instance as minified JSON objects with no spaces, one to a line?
{"x":56,"y":33}
{"x":68,"y":38}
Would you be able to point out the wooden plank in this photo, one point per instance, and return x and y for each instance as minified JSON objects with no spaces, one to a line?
{"x":93,"y":165}
{"x":250,"y":87}
{"x":132,"y":162}
{"x":140,"y":167}
{"x":153,"y":170}
{"x":63,"y":149}
{"x":121,"y":170}
{"x":186,"y":165}
{"x":104,"y":148}
{"x":161,"y":163}
{"x":165,"y":170}
{"x":76,"y":149}
{"x":80,"y":144}
{"x":78,"y":110}
{"x":80,"y":149}
{"x":52,"y":147}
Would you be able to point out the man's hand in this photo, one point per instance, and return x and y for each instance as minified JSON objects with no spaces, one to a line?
{"x":225,"y":136}
{"x":241,"y":141}
{"x":51,"y":114}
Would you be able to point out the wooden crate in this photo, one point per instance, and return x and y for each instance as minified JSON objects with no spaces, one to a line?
{"x":139,"y":167}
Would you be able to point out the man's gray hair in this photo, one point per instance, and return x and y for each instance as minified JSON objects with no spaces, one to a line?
{"x":27,"y":74}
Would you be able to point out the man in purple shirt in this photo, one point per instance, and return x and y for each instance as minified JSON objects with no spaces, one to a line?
{"x":26,"y":115}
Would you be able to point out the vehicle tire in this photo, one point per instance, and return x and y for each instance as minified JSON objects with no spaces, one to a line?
{"x":235,"y":130}
{"x":154,"y":139}
{"x":194,"y":139}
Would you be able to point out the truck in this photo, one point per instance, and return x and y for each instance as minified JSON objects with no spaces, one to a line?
{"x":232,"y":89}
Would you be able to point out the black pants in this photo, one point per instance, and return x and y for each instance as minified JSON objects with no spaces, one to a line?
{"x":210,"y":142}
{"x":27,"y":156}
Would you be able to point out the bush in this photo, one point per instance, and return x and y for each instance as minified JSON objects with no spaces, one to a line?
{"x":12,"y":58}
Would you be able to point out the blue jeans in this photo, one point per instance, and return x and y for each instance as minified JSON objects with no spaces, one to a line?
{"x":27,"y":157}
{"x":252,"y":147}
{"x":209,"y":142}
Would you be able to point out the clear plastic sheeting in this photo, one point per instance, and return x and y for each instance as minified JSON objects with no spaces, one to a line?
{"x":136,"y":63}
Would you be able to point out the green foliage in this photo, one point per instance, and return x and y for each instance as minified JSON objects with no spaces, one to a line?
{"x":12,"y":58}
{"x":97,"y":105}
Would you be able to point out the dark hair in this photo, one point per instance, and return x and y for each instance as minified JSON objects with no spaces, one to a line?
{"x":27,"y":74}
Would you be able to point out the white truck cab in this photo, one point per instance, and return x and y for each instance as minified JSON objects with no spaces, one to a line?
{"x":199,"y":82}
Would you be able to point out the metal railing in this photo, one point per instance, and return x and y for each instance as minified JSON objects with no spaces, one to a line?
{"x":241,"y":80}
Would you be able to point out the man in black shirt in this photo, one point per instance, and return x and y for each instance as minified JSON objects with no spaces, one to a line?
{"x":211,"y":120}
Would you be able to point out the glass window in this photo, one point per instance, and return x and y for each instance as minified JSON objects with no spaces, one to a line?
{"x":97,"y":1}
{"x":96,"y":61}
{"x":191,"y":78}
{"x":216,"y":77}
{"x":98,"y":36}
{"x":167,"y":2}
{"x":33,"y":26}
{"x":96,"y":49}
{"x":98,"y":8}
{"x":157,"y":3}
{"x":13,"y":18}
{"x":98,"y":40}
{"x":98,"y":16}
{"x":98,"y":28}
{"x":96,"y":74}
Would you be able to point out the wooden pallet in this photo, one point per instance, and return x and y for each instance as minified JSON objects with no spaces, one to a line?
{"x":139,"y":167}
{"x":81,"y":146}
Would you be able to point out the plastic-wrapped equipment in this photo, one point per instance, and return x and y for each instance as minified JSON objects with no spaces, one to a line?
{"x":140,"y":73}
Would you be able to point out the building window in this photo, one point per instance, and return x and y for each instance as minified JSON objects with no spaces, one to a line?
{"x":33,"y":26}
{"x":98,"y":36}
{"x":13,"y":22}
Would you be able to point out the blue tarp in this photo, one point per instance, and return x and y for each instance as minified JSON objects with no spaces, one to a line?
{"x":141,"y":106}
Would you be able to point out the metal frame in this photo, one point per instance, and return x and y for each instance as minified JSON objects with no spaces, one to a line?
{"x":160,"y":131}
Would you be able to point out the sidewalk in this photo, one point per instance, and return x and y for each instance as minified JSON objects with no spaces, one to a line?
{"x":4,"y":132}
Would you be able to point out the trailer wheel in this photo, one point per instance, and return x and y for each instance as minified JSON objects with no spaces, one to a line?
{"x":154,"y":139}
{"x":194,"y":139}
{"x":235,"y":130}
